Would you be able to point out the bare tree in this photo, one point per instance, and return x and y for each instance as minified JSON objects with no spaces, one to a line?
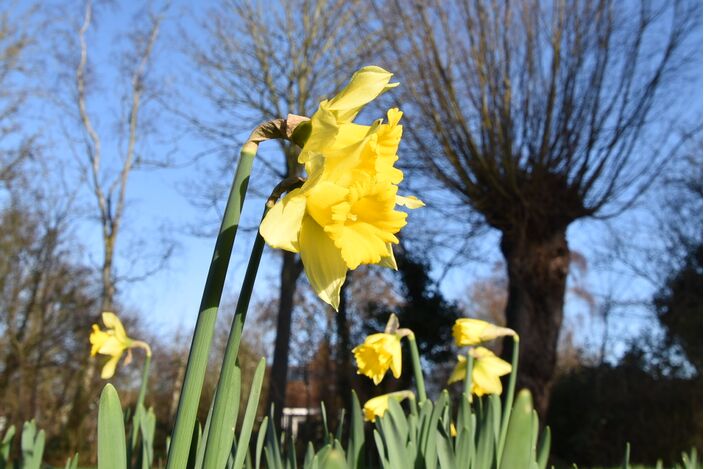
{"x":46,"y":298}
{"x":533,"y":114}
{"x":108,"y":159}
{"x":109,"y":186}
{"x":264,"y":61}
{"x":15,"y":66}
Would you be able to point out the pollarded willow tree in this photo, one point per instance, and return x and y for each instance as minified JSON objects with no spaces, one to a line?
{"x":532,"y":113}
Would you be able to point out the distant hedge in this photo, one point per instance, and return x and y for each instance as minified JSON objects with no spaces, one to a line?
{"x":594,"y":411}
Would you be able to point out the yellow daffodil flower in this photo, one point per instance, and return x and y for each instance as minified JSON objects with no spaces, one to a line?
{"x":332,"y":127}
{"x":377,"y":354}
{"x":486,"y":371}
{"x":345,"y":213}
{"x":113,"y":341}
{"x":377,"y":406}
{"x":468,"y":332}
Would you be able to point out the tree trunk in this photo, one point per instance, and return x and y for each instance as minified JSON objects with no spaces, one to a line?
{"x":290,"y":271}
{"x":106,"y":274}
{"x":537,"y":275}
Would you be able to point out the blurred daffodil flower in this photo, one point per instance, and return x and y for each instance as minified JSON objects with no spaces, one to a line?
{"x":377,"y":406}
{"x":468,"y":332}
{"x":486,"y":371}
{"x":345,"y":213}
{"x":113,"y":341}
{"x":377,"y":354}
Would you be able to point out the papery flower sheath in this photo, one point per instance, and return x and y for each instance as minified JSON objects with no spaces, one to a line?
{"x":345,"y":213}
{"x":379,"y":353}
{"x":486,"y":371}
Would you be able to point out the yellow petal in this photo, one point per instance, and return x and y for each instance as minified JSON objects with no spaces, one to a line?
{"x":396,"y":358}
{"x":394,"y":116}
{"x":109,"y":368}
{"x":460,"y":370}
{"x":282,"y":223}
{"x":495,"y":365}
{"x":484,"y":381}
{"x":324,"y":128}
{"x":346,"y":154}
{"x":382,"y":155}
{"x":487,"y":370}
{"x":409,"y":201}
{"x":389,"y":260}
{"x":351,"y":134}
{"x":111,"y":321}
{"x":377,"y":354}
{"x":375,"y":407}
{"x":97,"y":339}
{"x":322,"y":262}
{"x":364,"y":86}
{"x":112,"y":346}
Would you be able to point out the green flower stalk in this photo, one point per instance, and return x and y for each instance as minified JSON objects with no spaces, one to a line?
{"x":223,"y":420}
{"x":207,"y":315}
{"x":417,"y":370}
{"x":212,"y":293}
{"x":508,"y":403}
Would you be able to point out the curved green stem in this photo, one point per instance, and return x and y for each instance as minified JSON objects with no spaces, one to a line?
{"x":139,"y":406}
{"x":417,"y":370}
{"x":223,"y":419}
{"x":508,"y":403}
{"x":205,"y":324}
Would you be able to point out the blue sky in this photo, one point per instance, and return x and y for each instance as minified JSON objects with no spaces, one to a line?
{"x":169,"y":299}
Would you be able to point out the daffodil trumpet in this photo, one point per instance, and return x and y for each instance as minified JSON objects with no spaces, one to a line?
{"x":212,"y":292}
{"x":381,"y":352}
{"x":220,"y":421}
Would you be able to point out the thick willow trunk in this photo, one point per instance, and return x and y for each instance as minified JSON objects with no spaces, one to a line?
{"x":537,"y":277}
{"x":290,"y":271}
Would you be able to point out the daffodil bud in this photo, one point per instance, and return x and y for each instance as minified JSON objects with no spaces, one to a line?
{"x":469,"y":332}
{"x":377,"y":406}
